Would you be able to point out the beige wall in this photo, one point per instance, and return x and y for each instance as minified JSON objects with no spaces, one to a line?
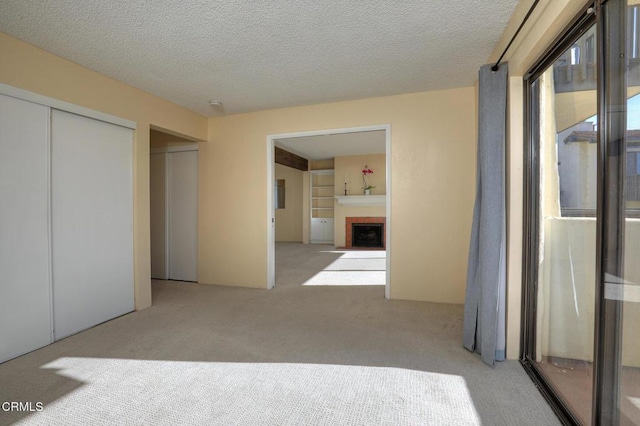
{"x":29,"y":68}
{"x":289,"y":219}
{"x":158,"y":214}
{"x":350,"y":168}
{"x":433,"y":175}
{"x":159,"y":139}
{"x":321,"y":164}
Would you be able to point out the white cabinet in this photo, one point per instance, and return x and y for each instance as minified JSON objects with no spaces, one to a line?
{"x":322,"y":206}
{"x":322,"y":230}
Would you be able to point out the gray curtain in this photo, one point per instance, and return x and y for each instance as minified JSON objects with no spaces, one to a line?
{"x":484,"y":309}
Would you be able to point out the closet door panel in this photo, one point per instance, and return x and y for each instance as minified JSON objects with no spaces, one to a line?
{"x":92,"y":222}
{"x":183,"y":215}
{"x":25,"y":286}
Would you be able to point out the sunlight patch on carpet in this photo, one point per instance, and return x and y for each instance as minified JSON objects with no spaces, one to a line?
{"x":347,"y":278}
{"x":343,"y":264}
{"x":126,"y":391}
{"x":353,"y":268}
{"x":358,"y":254}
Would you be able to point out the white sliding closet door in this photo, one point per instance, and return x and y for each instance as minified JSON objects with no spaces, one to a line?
{"x":25,"y":286}
{"x":92,"y":222}
{"x":183,"y":215}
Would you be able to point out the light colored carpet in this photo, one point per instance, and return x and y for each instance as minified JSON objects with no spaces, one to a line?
{"x":316,"y":264}
{"x":292,"y":355}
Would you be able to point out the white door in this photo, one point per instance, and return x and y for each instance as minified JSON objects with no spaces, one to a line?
{"x":25,"y":286}
{"x":183,"y":215}
{"x":158,"y":207}
{"x":92,"y":222}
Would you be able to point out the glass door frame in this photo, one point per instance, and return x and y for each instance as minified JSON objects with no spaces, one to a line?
{"x":609,"y":18}
{"x":612,"y":147}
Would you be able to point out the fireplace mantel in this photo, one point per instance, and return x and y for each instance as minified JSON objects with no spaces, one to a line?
{"x":362,"y":200}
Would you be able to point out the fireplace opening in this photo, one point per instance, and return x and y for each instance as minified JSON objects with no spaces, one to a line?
{"x":367,"y":235}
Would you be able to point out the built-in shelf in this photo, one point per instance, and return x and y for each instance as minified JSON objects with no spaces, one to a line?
{"x":322,"y":206}
{"x":362,"y":200}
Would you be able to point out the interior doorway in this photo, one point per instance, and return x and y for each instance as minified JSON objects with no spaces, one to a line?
{"x":347,"y":190}
{"x":173,"y":173}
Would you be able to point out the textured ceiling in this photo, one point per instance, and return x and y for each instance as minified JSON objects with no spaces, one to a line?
{"x":254,"y":55}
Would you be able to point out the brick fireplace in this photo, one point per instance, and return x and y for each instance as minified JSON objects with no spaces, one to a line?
{"x":350,"y":221}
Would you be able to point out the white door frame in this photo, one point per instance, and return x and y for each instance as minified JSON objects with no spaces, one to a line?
{"x":271,"y":255}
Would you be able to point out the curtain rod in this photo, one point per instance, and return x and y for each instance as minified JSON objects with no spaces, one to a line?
{"x":496,"y":67}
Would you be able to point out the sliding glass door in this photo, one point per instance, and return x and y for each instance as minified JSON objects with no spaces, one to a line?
{"x":564,"y":109}
{"x":622,"y":283}
{"x":630,"y":371}
{"x":582,"y":313}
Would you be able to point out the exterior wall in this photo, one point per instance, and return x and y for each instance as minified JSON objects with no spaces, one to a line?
{"x":29,"y":68}
{"x":568,"y":286}
{"x":433,"y":175}
{"x":574,"y":107}
{"x":577,"y":169}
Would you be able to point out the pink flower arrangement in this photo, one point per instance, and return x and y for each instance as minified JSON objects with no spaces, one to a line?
{"x":366,"y":171}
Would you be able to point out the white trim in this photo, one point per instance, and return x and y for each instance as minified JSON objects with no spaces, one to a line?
{"x":271,"y":215}
{"x":388,"y":156}
{"x":270,"y":183}
{"x":50,"y":230}
{"x":361,"y":200}
{"x":65,"y":106}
